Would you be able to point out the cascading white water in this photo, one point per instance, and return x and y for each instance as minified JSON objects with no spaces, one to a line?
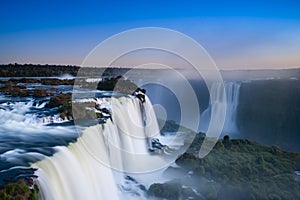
{"x":84,"y":169}
{"x":218,"y":98}
{"x":16,"y":117}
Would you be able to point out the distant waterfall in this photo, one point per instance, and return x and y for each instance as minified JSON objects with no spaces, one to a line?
{"x":217,"y":98}
{"x":83,"y":170}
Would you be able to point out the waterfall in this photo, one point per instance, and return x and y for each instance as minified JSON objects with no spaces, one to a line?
{"x":218,"y":98}
{"x":21,"y":117}
{"x":90,"y":168}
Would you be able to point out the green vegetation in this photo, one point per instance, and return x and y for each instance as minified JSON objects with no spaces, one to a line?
{"x":86,"y":110}
{"x":167,"y":190}
{"x":33,"y":70}
{"x":19,"y":191}
{"x":235,"y":169}
{"x":170,"y":126}
{"x":69,"y":110}
{"x":117,"y":84}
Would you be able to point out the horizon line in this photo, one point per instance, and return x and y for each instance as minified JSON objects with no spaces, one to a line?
{"x":156,"y":68}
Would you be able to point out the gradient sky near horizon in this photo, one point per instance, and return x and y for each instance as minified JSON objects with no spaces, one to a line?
{"x":236,"y":34}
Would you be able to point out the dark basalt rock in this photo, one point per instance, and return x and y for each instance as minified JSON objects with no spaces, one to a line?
{"x":117,"y":84}
{"x":156,"y":145}
{"x":14,"y":87}
{"x":140,"y":94}
{"x":59,"y":100}
{"x":40,"y":92}
{"x":55,"y":81}
{"x":15,"y":90}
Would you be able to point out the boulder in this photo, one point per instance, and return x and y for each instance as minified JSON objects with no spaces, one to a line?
{"x":59,"y":100}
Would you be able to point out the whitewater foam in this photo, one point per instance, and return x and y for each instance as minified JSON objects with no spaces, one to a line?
{"x":97,"y":164}
{"x":18,"y":118}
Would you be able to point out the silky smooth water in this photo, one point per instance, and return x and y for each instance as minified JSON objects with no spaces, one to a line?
{"x":222,"y":99}
{"x":95,"y":165}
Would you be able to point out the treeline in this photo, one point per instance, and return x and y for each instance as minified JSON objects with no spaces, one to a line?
{"x":234,"y":169}
{"x":37,"y":70}
{"x":31,"y":70}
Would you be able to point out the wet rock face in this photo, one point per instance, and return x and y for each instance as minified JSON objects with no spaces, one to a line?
{"x":140,"y":94}
{"x":155,"y":145}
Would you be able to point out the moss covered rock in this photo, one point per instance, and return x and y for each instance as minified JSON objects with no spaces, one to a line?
{"x":117,"y":84}
{"x":19,"y":191}
{"x":59,"y":100}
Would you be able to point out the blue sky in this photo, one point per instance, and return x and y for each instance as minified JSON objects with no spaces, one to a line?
{"x":237,"y":34}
